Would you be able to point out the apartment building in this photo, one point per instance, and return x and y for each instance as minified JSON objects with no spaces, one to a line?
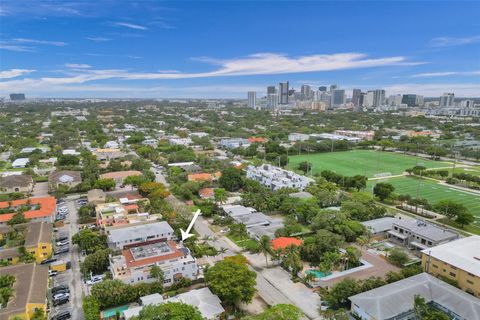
{"x":135,"y":262}
{"x":136,"y":234}
{"x":30,"y":291}
{"x":37,"y":242}
{"x":419,"y":234}
{"x":276,"y":178}
{"x":40,"y":209}
{"x":458,"y":261}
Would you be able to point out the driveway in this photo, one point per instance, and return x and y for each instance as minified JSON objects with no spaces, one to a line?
{"x":40,"y":189}
{"x":301,"y":296}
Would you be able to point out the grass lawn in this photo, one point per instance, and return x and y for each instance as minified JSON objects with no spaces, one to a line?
{"x":475,"y":170}
{"x":364,"y":162}
{"x":433,"y":192}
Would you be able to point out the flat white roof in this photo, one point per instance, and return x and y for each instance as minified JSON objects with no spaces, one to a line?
{"x":462,"y":253}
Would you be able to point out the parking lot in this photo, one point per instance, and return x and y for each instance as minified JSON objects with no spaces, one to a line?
{"x":71,"y":277}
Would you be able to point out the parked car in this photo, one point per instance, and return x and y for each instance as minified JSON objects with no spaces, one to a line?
{"x":60,"y":288}
{"x":95,"y":279}
{"x":58,"y":302}
{"x":61,"y":238}
{"x":62,"y":315}
{"x":68,"y":265}
{"x":61,"y":250}
{"x":61,"y":295}
{"x":52,"y":273}
{"x":63,"y":243}
{"x":48,"y":261}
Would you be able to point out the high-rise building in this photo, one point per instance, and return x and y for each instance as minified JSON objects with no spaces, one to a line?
{"x":283,"y":93}
{"x":409,"y":99}
{"x":271,"y":90}
{"x":338,"y":97}
{"x":395,"y":100}
{"x":17,"y":96}
{"x":322,"y":88}
{"x":378,"y":98}
{"x":306,"y":91}
{"x":333,"y":87}
{"x":252,"y":99}
{"x":326,"y":98}
{"x":420,"y":101}
{"x":368,"y":99}
{"x":356,"y":94}
{"x":447,"y":100}
{"x":467,"y":104}
{"x":272,"y":101}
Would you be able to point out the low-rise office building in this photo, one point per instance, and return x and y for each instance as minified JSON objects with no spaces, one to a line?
{"x":120,"y":238}
{"x":135,"y":262}
{"x":458,"y":261}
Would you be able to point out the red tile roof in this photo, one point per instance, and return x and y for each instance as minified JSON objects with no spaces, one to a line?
{"x":47,"y":208}
{"x":257,"y":139}
{"x":283,"y":242}
{"x":206,"y":193}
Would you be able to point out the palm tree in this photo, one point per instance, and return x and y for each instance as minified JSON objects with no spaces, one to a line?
{"x":220,"y":195}
{"x":222,"y":251}
{"x":265,"y":246}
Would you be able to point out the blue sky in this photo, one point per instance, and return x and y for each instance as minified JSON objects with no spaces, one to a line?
{"x":225,"y":48}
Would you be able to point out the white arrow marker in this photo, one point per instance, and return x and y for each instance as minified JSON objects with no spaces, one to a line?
{"x":187,"y":234}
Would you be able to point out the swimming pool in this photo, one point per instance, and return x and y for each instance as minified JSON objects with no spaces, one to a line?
{"x":317,"y":273}
{"x":111,"y":313}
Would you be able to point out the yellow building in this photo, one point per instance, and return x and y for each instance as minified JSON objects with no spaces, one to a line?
{"x":29,"y":291}
{"x":38,"y":242}
{"x":457,"y":261}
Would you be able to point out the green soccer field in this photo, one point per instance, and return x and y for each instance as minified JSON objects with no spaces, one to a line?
{"x":364,"y":162}
{"x":433,"y":192}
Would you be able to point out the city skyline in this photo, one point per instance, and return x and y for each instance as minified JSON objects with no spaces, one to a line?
{"x":195,"y":50}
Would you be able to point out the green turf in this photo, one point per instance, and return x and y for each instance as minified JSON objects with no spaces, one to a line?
{"x":433,"y":192}
{"x":364,"y":162}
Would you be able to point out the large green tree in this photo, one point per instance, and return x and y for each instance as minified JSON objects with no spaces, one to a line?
{"x":231,"y":281}
{"x":169,"y":311}
{"x":231,"y":179}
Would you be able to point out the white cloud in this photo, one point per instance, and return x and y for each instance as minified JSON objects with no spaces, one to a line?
{"x":77,"y":65}
{"x":445,"y":74}
{"x":13,"y":73}
{"x":435,"y":89}
{"x":15,"y":47}
{"x":272,"y":63}
{"x":256,"y":64}
{"x":41,"y":42}
{"x":98,"y":39}
{"x":130,"y":25}
{"x":451,"y":41}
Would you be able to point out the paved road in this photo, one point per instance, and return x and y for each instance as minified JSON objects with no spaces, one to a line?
{"x":76,"y":284}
